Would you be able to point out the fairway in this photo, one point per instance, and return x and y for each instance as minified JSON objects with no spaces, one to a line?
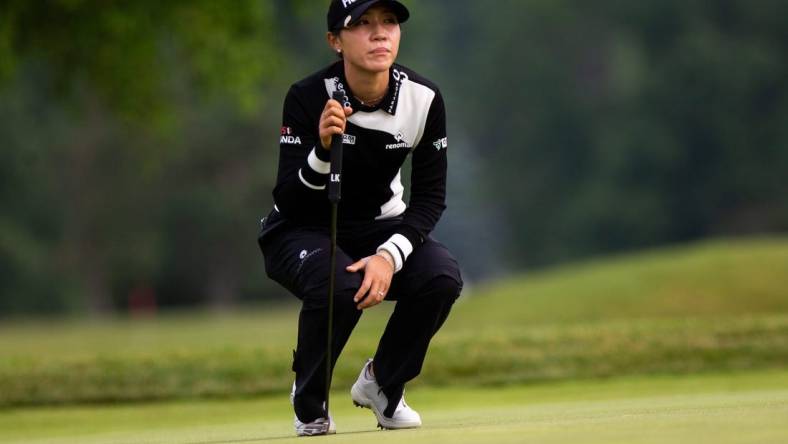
{"x":722,"y":408}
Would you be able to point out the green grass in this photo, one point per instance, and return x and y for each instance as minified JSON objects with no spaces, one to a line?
{"x":706,"y":307}
{"x":721,"y":277}
{"x":748,"y":407}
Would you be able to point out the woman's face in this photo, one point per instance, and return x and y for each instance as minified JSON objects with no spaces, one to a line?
{"x":372,"y":43}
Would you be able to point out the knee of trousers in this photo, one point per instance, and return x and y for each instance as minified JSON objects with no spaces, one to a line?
{"x":444,"y":288}
{"x":316,"y":287}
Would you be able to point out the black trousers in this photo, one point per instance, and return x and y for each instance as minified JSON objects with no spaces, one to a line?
{"x":298,"y":258}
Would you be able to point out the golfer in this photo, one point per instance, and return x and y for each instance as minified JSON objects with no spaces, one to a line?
{"x":384,"y":248}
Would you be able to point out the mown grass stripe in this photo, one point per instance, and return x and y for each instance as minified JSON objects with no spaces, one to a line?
{"x":487,"y":357}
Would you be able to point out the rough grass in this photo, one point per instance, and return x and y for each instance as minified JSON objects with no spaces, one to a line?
{"x":722,"y":277}
{"x":705,"y":307}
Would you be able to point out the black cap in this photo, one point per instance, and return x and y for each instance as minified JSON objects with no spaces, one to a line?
{"x":342,"y":13}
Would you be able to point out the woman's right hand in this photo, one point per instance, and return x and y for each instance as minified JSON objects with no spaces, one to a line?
{"x":332,"y":121}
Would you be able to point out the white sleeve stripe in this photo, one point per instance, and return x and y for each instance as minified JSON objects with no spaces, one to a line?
{"x":394,"y":252}
{"x":403,"y":244}
{"x":309,"y":185}
{"x":316,"y":164}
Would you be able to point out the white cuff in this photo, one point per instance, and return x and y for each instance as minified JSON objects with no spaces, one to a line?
{"x":400,"y":248}
{"x":403,"y":244}
{"x":316,"y":164}
{"x":309,"y":185}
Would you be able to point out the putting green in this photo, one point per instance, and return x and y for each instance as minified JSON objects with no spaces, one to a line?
{"x":720,"y":408}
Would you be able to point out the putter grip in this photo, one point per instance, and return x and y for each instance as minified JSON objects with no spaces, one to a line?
{"x":335,"y":173}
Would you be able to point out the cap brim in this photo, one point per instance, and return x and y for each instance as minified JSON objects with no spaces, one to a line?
{"x":397,"y":8}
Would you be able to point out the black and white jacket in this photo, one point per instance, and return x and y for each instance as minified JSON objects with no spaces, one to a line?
{"x":411,"y":119}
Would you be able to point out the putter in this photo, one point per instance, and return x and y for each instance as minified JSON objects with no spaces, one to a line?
{"x":334,"y":196}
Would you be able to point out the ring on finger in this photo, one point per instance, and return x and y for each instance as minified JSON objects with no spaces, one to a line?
{"x":380,"y":293}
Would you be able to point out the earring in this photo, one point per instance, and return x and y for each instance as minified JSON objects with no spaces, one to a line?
{"x":339,"y":51}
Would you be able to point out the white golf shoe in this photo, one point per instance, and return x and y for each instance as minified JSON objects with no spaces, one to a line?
{"x":317,"y":427}
{"x":367,"y":393}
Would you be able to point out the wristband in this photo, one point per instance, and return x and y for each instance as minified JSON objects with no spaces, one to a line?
{"x":394,"y":252}
{"x":389,"y":259}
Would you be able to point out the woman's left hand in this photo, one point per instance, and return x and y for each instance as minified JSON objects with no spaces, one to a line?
{"x":378,"y":271}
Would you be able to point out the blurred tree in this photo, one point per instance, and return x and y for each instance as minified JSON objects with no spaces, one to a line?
{"x":606,"y":126}
{"x":131,"y":81}
{"x":28,"y":206}
{"x":128,"y":53}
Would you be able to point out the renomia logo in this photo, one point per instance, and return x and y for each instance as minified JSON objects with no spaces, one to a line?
{"x":401,"y":143}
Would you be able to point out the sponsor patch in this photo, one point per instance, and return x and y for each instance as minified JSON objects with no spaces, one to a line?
{"x":400,"y":142}
{"x":441,"y":143}
{"x":347,"y":139}
{"x":290,"y":140}
{"x":287,"y":137}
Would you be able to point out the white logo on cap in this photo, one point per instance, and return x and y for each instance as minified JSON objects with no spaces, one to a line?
{"x":347,"y":3}
{"x":347,"y":21}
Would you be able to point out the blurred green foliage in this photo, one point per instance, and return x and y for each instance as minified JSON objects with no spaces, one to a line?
{"x":138,"y":139}
{"x":136,"y":56}
{"x":606,"y":125}
{"x":131,"y":135}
